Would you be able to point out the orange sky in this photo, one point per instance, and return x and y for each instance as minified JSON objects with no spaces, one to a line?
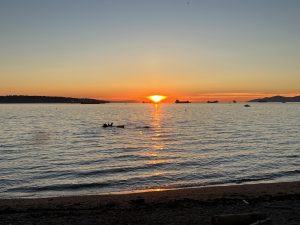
{"x":141,"y":95}
{"x":222,"y":97}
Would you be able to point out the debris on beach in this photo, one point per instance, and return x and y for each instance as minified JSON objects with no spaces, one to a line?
{"x":246,"y":202}
{"x":240,"y":219}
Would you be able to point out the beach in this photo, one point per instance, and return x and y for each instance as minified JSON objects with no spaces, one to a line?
{"x":280,"y":202}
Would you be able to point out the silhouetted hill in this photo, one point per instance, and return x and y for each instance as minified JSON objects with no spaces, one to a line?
{"x":47,"y":99}
{"x":277,"y":99}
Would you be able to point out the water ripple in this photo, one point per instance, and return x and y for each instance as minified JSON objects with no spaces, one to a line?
{"x":48,"y":150}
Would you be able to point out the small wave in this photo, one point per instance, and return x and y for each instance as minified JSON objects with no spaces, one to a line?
{"x":121,"y":150}
{"x":133,"y":157}
{"x":5,"y":146}
{"x":54,"y":174}
{"x":268,"y":176}
{"x":61,"y":187}
{"x":250,"y":179}
{"x":291,"y":156}
{"x":122,"y":169}
{"x":288,"y":173}
{"x":89,"y":162}
{"x":85,"y":186}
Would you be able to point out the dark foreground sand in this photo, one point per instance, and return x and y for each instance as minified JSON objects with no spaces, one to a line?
{"x":279,"y":201}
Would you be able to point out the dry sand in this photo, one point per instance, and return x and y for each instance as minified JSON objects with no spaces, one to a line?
{"x":279,"y":201}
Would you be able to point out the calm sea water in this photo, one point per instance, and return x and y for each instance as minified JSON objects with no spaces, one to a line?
{"x":62,"y":149}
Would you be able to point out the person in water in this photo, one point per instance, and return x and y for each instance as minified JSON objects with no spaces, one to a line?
{"x":107,"y":125}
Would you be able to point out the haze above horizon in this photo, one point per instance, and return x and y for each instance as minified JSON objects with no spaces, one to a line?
{"x":191,"y":50}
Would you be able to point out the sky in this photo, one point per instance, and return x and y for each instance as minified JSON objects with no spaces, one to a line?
{"x":126,"y":49}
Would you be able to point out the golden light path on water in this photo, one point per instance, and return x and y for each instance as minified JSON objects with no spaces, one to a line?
{"x":157,"y":149}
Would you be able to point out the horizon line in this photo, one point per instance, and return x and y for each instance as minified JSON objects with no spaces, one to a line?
{"x":203,"y":98}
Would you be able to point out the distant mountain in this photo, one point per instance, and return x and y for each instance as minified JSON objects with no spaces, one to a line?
{"x":47,"y":99}
{"x":277,"y":99}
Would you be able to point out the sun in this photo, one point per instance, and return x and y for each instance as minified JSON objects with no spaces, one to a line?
{"x":157,"y":98}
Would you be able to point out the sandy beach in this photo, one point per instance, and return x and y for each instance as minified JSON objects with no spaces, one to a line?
{"x":279,"y":202}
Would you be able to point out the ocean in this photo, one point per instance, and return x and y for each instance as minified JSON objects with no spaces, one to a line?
{"x":62,"y":149}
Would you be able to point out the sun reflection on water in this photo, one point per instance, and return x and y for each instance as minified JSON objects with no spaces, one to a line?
{"x":157,"y":157}
{"x":156,"y":124}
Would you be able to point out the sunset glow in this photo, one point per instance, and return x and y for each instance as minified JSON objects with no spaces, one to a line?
{"x":157,"y":98}
{"x":123,"y":51}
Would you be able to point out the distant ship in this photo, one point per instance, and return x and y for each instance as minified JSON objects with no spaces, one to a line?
{"x":178,"y":101}
{"x":212,"y":101}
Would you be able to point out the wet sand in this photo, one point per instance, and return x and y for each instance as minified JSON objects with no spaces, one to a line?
{"x":280,"y":202}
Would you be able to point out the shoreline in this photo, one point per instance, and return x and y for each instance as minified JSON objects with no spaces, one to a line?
{"x":206,"y":193}
{"x":280,"y":201}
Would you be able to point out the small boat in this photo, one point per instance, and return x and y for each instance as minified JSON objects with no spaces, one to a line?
{"x":246,"y":105}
